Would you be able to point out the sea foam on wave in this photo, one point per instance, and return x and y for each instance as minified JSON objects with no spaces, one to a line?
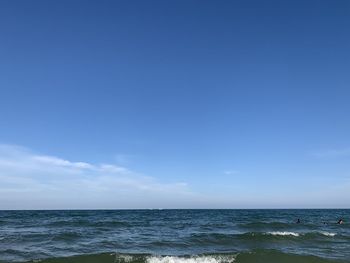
{"x":284,"y":233}
{"x":328,"y":234}
{"x":196,"y":259}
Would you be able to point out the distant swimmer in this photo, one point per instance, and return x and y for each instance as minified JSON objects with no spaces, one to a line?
{"x":340,"y":221}
{"x":298,"y":221}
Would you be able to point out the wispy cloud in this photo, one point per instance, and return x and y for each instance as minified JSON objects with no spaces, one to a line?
{"x":332,"y":153}
{"x":31,"y":180}
{"x":231,"y":172}
{"x":54,"y":161}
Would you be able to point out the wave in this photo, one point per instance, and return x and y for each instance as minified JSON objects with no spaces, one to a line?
{"x":66,"y":236}
{"x":281,"y":226}
{"x":193,"y":259}
{"x":215,"y":238}
{"x":86,"y":223}
{"x":274,"y":256}
{"x":290,"y":234}
{"x":266,"y":225}
{"x":295,"y":234}
{"x":279,"y":233}
{"x":254,"y":256}
{"x":328,"y":234}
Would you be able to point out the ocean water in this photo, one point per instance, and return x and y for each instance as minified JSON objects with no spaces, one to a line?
{"x":175,"y":236}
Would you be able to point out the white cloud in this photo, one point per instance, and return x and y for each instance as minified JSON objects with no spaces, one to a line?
{"x":33,"y":181}
{"x":54,"y":161}
{"x":29,"y":180}
{"x":230,"y":172}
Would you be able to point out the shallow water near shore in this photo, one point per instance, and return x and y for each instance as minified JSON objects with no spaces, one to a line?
{"x":175,"y":236}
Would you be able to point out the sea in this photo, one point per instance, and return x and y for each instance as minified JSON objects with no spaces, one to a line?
{"x":175,"y":236}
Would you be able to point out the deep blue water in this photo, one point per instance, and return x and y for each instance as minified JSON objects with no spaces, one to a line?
{"x":175,"y":236}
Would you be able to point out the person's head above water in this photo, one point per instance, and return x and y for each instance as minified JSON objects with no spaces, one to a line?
{"x":298,"y":221}
{"x":340,"y":221}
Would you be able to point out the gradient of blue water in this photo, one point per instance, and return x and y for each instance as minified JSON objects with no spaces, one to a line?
{"x":27,"y":235}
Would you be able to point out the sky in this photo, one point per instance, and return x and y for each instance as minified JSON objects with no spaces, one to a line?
{"x":174,"y":104}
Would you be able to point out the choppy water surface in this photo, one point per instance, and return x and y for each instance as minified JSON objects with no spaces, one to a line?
{"x":175,"y":236}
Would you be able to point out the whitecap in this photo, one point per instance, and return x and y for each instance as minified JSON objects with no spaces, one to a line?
{"x":195,"y":259}
{"x":328,"y":234}
{"x":280,"y":233}
{"x":124,"y":257}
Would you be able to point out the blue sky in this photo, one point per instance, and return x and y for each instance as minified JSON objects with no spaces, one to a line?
{"x":174,"y":104}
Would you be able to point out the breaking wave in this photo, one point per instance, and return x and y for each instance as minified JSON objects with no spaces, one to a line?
{"x":254,"y":256}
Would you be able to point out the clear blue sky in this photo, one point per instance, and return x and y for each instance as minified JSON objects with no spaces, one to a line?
{"x":174,"y":104}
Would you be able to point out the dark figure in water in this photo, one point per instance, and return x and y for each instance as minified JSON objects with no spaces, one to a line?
{"x":340,"y":221}
{"x":298,"y":221}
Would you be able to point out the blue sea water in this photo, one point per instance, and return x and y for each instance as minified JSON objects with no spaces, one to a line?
{"x":175,"y":236}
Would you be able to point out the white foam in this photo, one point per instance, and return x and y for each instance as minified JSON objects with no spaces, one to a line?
{"x":195,"y":259}
{"x":285,"y":233}
{"x":328,"y":234}
{"x":126,"y":258}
